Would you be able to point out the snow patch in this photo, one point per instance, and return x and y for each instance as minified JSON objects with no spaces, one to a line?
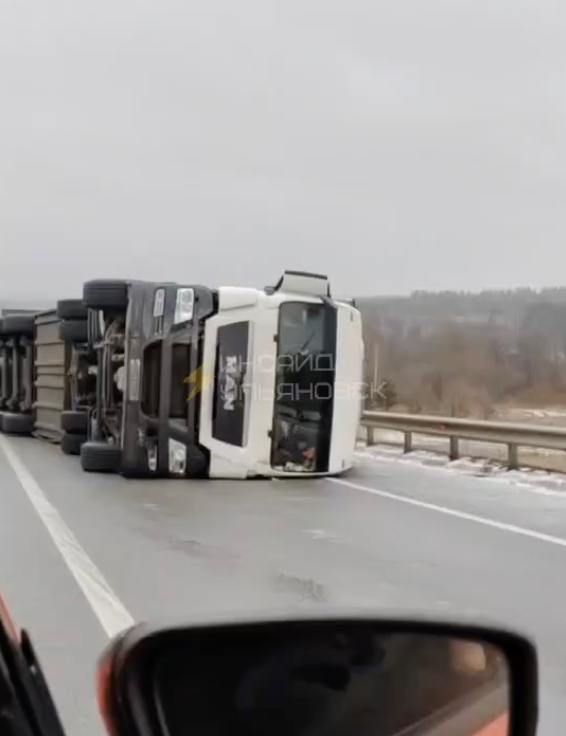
{"x":537,"y":481}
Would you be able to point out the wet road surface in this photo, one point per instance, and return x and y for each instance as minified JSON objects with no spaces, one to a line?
{"x":391,"y":537}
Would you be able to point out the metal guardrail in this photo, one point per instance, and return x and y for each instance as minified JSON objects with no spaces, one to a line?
{"x":454,"y":429}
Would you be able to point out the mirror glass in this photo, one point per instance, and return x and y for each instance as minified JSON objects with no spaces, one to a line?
{"x":331,"y":680}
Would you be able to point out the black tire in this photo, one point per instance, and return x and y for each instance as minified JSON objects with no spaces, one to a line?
{"x":99,"y":457}
{"x":71,"y":443}
{"x":197,"y":462}
{"x":109,"y":294}
{"x":73,"y":330}
{"x":74,"y":422}
{"x":18,"y":324}
{"x":13,"y":423}
{"x":71,"y":309}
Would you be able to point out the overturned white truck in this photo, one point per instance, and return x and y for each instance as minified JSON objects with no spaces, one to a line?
{"x":222,"y":383}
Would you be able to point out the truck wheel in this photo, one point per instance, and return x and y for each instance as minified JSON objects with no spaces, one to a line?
{"x":71,"y":443}
{"x":99,"y":457}
{"x":16,"y":423}
{"x":74,"y":422}
{"x":106,"y":294}
{"x":71,"y":309}
{"x":197,"y":462}
{"x":73,"y":330}
{"x":18,"y":324}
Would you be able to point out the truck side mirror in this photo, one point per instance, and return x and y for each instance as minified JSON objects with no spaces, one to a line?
{"x":337,"y":677}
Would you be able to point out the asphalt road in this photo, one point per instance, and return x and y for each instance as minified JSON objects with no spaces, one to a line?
{"x":392,"y":536}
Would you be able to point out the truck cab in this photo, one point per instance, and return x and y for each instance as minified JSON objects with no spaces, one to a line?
{"x":283,"y":370}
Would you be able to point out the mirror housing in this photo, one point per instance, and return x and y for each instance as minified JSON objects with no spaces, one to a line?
{"x":281,"y":676}
{"x":26,"y":705}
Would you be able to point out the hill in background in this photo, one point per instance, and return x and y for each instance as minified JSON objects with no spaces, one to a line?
{"x":461,"y":353}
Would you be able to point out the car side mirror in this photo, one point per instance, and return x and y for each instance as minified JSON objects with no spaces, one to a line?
{"x":333,"y":677}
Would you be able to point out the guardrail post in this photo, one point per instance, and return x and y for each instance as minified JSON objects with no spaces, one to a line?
{"x":408,"y":442}
{"x":370,"y":439}
{"x":512,"y":457}
{"x":454,"y":448}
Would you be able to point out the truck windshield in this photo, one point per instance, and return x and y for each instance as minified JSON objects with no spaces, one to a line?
{"x":304,"y":387}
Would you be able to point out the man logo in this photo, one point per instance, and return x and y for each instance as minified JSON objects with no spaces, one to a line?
{"x":230,"y":389}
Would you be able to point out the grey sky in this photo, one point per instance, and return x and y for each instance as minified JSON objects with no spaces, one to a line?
{"x":395,"y":145}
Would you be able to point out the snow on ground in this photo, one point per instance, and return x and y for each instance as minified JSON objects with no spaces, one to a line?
{"x":553,"y":415}
{"x":540,"y":481}
{"x":530,"y":457}
{"x":541,"y":468}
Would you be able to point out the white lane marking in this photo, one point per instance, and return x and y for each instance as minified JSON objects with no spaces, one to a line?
{"x":107,"y":607}
{"x":503,"y":526}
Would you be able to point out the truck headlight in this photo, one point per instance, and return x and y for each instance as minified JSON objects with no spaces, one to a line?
{"x":184,"y":305}
{"x":177,"y":457}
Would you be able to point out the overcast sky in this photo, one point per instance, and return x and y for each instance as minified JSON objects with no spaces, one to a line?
{"x":394,"y":145}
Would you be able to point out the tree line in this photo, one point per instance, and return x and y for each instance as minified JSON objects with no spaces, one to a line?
{"x":460,"y":353}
